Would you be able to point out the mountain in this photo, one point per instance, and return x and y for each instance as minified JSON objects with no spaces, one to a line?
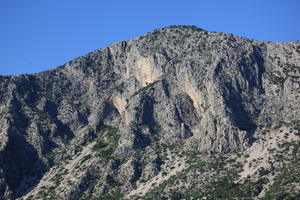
{"x":179,"y":113}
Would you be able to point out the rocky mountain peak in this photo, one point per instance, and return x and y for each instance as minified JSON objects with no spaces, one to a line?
{"x":126,"y":120}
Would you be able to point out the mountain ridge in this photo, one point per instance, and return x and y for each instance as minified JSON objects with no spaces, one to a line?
{"x":167,"y":27}
{"x":140,"y":112}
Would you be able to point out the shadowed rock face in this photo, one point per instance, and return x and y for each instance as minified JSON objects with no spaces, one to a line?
{"x":174,"y":85}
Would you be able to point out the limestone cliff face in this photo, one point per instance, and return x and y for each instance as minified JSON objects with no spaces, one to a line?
{"x":208,"y":91}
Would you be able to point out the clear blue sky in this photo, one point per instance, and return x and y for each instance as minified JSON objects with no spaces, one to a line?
{"x":37,"y":35}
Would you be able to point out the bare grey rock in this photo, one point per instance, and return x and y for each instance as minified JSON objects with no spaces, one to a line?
{"x":209,"y":92}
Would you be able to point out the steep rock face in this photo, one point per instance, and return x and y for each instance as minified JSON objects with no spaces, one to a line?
{"x":209,"y":91}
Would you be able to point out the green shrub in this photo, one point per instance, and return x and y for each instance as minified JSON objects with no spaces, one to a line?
{"x":150,"y":85}
{"x":99,"y":145}
{"x":120,"y":87}
{"x":85,"y":158}
{"x":108,"y":139}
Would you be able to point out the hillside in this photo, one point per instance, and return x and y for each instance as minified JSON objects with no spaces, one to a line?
{"x":179,"y":113}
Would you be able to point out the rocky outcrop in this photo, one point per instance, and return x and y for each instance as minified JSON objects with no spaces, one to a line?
{"x":209,"y":92}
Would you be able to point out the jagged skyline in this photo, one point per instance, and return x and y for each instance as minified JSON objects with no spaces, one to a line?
{"x":40,"y":35}
{"x":178,"y":113}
